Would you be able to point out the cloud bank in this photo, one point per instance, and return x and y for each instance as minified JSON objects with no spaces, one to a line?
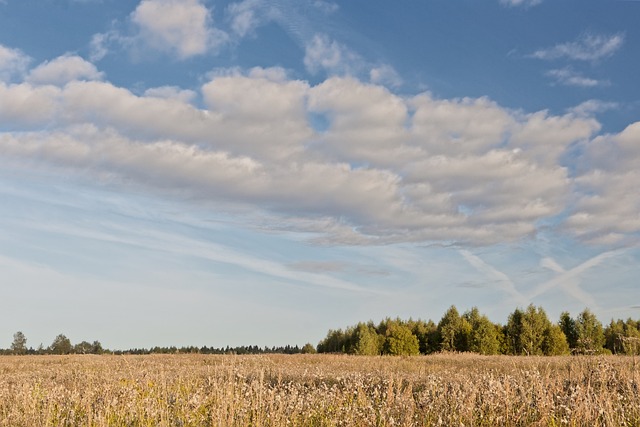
{"x":383,"y":168}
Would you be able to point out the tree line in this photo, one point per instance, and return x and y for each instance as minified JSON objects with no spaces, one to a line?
{"x":527,"y":332}
{"x":62,"y":345}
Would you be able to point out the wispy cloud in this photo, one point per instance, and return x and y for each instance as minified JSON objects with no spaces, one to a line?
{"x":337,"y":267}
{"x":524,"y":3}
{"x":246,"y":16}
{"x":385,"y":75}
{"x":324,"y":54}
{"x":569,"y":77}
{"x":588,"y":47}
{"x":593,"y":106}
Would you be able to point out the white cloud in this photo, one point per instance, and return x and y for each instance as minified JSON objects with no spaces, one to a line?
{"x":386,"y":168}
{"x":588,"y":47}
{"x":525,"y":3}
{"x":324,"y":54}
{"x":246,"y":16}
{"x":591,"y":107}
{"x":545,"y":138}
{"x":171,"y":92}
{"x":63,"y":70}
{"x":607,"y":206}
{"x":24,"y":106}
{"x":101,"y":42}
{"x":569,"y":77}
{"x":326,"y":7}
{"x":12,"y":62}
{"x":385,"y":75}
{"x":181,"y":27}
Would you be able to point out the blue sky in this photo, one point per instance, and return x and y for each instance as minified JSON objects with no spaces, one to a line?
{"x":201,"y":172}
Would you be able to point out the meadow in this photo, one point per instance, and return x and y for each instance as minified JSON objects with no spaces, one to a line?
{"x":318,"y":390}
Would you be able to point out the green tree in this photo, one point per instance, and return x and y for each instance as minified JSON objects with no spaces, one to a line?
{"x":61,"y":345}
{"x":399,"y":341}
{"x":96,"y":347}
{"x":590,"y":333}
{"x":555,"y":342}
{"x":622,"y":337}
{"x":424,"y":331}
{"x":83,"y":347}
{"x":365,"y":341}
{"x":308,"y":348}
{"x":448,"y":328}
{"x":614,"y":336}
{"x":568,"y":326}
{"x":526,"y":331}
{"x":19,"y":344}
{"x":483,"y":337}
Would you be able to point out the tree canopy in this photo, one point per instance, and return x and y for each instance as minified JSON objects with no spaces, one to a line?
{"x":528,"y":331}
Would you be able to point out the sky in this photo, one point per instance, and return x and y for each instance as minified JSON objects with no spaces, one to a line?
{"x":257,"y":172}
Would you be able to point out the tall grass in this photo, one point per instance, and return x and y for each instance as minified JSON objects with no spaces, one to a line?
{"x":318,"y":390}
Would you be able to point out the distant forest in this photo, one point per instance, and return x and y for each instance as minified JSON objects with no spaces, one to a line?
{"x":527,"y":332}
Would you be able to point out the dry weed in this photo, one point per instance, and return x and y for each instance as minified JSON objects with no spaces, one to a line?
{"x":317,"y":390}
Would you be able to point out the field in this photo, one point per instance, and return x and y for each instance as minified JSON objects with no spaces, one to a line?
{"x":318,"y":390}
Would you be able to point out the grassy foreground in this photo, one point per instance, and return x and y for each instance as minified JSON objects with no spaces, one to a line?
{"x":318,"y":390}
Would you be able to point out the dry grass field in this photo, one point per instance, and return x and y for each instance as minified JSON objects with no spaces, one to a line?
{"x":318,"y":390}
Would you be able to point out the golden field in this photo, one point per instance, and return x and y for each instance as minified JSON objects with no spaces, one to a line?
{"x":318,"y":390}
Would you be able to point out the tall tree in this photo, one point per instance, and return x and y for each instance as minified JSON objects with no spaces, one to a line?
{"x":526,"y":331}
{"x":399,"y":341}
{"x":365,"y":341}
{"x":425,"y":332}
{"x":19,"y":344}
{"x":590,"y":333}
{"x":483,"y":338}
{"x":61,"y":345}
{"x":555,"y":342}
{"x":568,"y":326}
{"x":448,"y":328}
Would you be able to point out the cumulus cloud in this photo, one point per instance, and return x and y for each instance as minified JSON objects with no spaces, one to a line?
{"x":386,"y":168}
{"x":180,"y":27}
{"x":607,"y":206}
{"x":171,"y":92}
{"x":12,"y":62}
{"x":588,"y":47}
{"x":24,"y":106}
{"x":63,"y":70}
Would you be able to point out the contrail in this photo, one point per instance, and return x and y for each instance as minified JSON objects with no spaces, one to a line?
{"x":506,"y":284}
{"x":565,"y":277}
